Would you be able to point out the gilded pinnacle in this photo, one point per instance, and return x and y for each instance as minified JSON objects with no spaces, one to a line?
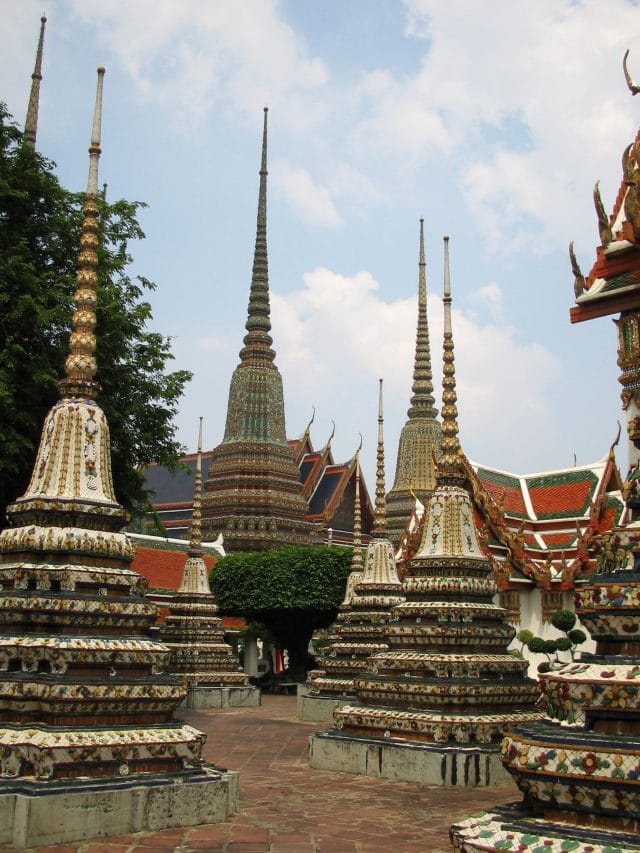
{"x":356,"y":560}
{"x":449,"y":467}
{"x":258,"y":341}
{"x":80,"y":366}
{"x":422,"y":401}
{"x":380,"y":514}
{"x":195,"y":530}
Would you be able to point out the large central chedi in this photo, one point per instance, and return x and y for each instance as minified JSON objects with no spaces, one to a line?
{"x":88,"y":742}
{"x":253,"y":493}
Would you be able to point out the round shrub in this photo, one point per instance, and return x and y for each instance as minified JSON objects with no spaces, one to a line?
{"x":564,"y":644}
{"x":536,"y":645}
{"x":577,"y":636}
{"x":525,"y":636}
{"x":550,"y":647}
{"x":563,"y":620}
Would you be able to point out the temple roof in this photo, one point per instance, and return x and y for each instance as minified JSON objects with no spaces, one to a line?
{"x":325,"y":484}
{"x":613,"y":283}
{"x":539,"y":524}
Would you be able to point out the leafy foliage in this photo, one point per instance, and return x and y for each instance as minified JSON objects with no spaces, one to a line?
{"x":39,"y":242}
{"x":563,"y":620}
{"x":292,"y":591}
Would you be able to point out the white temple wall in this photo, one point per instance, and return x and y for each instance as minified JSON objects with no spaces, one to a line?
{"x":531,"y":619}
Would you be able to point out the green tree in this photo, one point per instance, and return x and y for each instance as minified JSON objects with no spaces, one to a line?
{"x":291,"y":591}
{"x":39,"y":241}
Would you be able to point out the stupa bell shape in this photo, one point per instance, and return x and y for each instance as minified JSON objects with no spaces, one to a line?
{"x":447,"y":677}
{"x":253,"y":494}
{"x":84,"y":694}
{"x":419,"y":445}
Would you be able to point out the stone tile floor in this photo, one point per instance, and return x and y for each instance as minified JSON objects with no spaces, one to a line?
{"x":285,"y":807}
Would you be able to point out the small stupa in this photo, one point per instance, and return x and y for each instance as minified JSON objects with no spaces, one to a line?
{"x":433,"y":708}
{"x":193,"y":631}
{"x":419,"y":445}
{"x":358,"y":631}
{"x":88,"y":742}
{"x":253,"y":493}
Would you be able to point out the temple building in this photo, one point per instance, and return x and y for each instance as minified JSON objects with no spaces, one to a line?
{"x":328,"y":488}
{"x":419,"y":444}
{"x":359,"y":630}
{"x":252,"y":493}
{"x":88,"y":742}
{"x":193,"y":631}
{"x":579,"y":771}
{"x":434,"y":707}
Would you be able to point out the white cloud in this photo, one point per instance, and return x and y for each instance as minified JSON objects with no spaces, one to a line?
{"x":310,"y":200}
{"x":509,"y":93}
{"x":337,"y":333}
{"x":189,"y":55}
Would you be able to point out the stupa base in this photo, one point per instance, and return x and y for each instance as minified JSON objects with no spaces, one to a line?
{"x":44,"y":813}
{"x":221,"y":697}
{"x":318,"y":709}
{"x":512,"y":828}
{"x":424,"y":764}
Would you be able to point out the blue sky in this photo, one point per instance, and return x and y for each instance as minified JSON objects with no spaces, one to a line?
{"x":492,"y":120}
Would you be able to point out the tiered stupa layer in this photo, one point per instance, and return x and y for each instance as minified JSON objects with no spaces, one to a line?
{"x":447,"y":677}
{"x":419,"y":444}
{"x":580,"y":774}
{"x":253,"y":490}
{"x":359,"y":630}
{"x":193,"y":632}
{"x":82,"y":687}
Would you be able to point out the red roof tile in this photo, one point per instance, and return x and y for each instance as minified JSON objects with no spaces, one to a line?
{"x":163,"y":568}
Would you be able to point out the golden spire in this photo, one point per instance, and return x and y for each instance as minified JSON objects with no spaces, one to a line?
{"x":449,"y":467}
{"x":31,"y":121}
{"x":195,"y":529}
{"x":422,"y":401}
{"x":380,"y":514}
{"x":80,"y":366}
{"x":356,"y":560}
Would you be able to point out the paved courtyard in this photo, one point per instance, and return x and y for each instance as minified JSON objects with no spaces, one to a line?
{"x":285,"y":807}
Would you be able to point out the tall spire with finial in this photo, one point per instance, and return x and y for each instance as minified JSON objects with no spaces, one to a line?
{"x":258,"y":341}
{"x":420,"y":437}
{"x":253,"y":491}
{"x":31,"y":121}
{"x":422,"y":401}
{"x":380,"y":513}
{"x":80,"y":366}
{"x":447,"y":681}
{"x":449,"y":465}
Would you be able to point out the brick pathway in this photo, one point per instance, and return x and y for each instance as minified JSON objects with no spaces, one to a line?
{"x":285,"y":807}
